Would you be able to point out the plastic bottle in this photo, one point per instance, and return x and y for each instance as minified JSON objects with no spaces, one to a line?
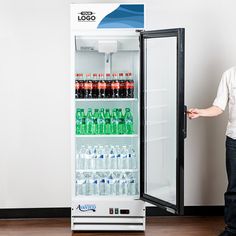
{"x":101,"y":158}
{"x":80,"y":184}
{"x":122,"y":85}
{"x":89,"y":122}
{"x":129,"y":86}
{"x":123,"y":185}
{"x":107,"y":117}
{"x":83,"y":125}
{"x":108,"y":85}
{"x":118,"y":157}
{"x":101,"y":122}
{"x":121,"y":121}
{"x":101,"y":87}
{"x":132,"y":158}
{"x":78,"y":127}
{"x":95,"y":184}
{"x":115,"y":86}
{"x":88,"y":158}
{"x":124,"y":158}
{"x":95,"y":85}
{"x":132,"y":184}
{"x":128,"y":118}
{"x":90,"y":185}
{"x":95,"y":121}
{"x":112,"y":159}
{"x":114,"y":122}
{"x":81,"y":161}
{"x":88,"y":87}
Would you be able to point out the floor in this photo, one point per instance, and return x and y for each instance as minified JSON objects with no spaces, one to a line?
{"x":164,"y":226}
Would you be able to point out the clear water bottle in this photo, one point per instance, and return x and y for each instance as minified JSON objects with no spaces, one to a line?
{"x":102,"y":184}
{"x":95,"y":184}
{"x":106,"y":156}
{"x":95,"y":157}
{"x":124,"y":157}
{"x":123,"y":185}
{"x":118,"y":157}
{"x":112,"y":184}
{"x":89,"y":184}
{"x":101,"y":158}
{"x":80,"y":184}
{"x":116,"y":183}
{"x":88,"y":158}
{"x":132,"y":184}
{"x":132,"y":158}
{"x":81,"y":160}
{"x":112,"y":158}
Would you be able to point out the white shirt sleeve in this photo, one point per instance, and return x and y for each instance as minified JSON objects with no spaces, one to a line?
{"x":222,"y":96}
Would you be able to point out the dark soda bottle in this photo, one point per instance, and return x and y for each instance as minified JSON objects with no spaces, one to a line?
{"x":101,"y":87}
{"x":80,"y":86}
{"x":129,"y":85}
{"x":88,"y":87}
{"x":115,"y":86}
{"x":122,"y":85}
{"x":76,"y":88}
{"x":95,"y":86}
{"x":108,"y":86}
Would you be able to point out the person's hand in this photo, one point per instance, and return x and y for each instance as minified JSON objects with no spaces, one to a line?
{"x":194,"y":113}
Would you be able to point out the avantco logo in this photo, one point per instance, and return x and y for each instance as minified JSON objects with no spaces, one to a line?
{"x":87,"y":207}
{"x":86,"y":16}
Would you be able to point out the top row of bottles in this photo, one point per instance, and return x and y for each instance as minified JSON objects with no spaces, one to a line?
{"x":109,"y":86}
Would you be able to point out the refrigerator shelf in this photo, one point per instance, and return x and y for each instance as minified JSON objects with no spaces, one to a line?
{"x":107,"y":170}
{"x":107,"y":197}
{"x":105,"y":99}
{"x":108,"y":136}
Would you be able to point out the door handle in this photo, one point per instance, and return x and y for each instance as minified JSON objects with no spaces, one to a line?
{"x":185,"y":121}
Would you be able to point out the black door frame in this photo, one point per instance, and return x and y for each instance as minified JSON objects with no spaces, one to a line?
{"x":179,"y":33}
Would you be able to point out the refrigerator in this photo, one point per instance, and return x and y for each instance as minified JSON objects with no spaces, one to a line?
{"x":128,"y":119}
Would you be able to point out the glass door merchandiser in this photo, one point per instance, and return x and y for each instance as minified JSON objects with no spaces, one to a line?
{"x":128,"y":122}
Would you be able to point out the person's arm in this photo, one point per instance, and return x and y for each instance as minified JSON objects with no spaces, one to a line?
{"x":207,"y":112}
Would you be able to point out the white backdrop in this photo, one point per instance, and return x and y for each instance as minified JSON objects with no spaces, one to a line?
{"x":35,"y":100}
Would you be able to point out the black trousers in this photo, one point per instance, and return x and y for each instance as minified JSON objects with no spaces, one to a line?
{"x":230,"y":195}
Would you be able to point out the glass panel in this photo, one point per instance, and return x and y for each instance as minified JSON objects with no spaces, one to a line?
{"x":161,"y":125}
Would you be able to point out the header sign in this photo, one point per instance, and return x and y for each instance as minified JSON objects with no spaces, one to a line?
{"x":105,"y":16}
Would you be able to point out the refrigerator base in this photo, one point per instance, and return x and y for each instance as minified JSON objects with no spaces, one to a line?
{"x":108,"y":215}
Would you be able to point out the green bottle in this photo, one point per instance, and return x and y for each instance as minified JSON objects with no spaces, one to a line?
{"x":89,"y":122}
{"x":107,"y":117}
{"x":78,"y":124}
{"x":114,"y":122}
{"x":121,"y":121}
{"x":128,"y":121}
{"x":83,"y":122}
{"x":101,"y":122}
{"x":95,"y":121}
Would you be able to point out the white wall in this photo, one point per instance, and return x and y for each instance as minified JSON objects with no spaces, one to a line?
{"x":34,"y":96}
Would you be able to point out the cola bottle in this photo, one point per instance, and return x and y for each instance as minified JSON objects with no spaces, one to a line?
{"x":80,"y":86}
{"x":115,"y":86}
{"x":129,"y":85}
{"x":101,"y":87}
{"x":122,"y":85}
{"x":88,"y":87}
{"x":76,"y":88}
{"x":108,"y":86}
{"x":95,"y":86}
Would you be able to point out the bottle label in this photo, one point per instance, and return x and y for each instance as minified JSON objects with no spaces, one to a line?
{"x":101,"y":85}
{"x":115,"y":85}
{"x":129,"y":84}
{"x":88,"y":85}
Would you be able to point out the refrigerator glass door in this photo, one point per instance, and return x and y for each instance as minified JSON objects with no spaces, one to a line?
{"x":163,"y":118}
